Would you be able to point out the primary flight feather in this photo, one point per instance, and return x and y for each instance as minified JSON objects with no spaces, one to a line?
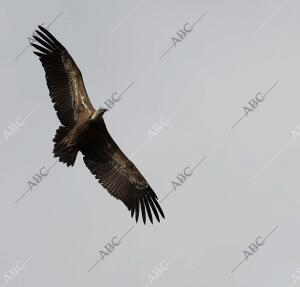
{"x":83,"y":129}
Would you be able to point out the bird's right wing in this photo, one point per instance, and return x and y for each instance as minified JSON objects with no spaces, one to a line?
{"x":63,"y":78}
{"x":122,"y":179}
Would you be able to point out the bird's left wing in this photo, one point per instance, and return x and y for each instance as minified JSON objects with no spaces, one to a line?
{"x":121,"y":178}
{"x":63,"y":77}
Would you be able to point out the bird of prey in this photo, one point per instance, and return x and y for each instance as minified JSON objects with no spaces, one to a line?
{"x":83,"y":129}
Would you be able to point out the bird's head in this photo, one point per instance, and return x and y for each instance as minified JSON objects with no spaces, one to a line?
{"x":98,"y":114}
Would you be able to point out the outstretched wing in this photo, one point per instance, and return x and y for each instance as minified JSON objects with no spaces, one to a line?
{"x":121,"y":178}
{"x":63,"y":77}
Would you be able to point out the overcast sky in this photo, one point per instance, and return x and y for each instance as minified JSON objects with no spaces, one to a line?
{"x":207,"y":107}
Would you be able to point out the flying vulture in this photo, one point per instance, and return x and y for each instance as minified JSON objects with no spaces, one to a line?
{"x":83,"y":129}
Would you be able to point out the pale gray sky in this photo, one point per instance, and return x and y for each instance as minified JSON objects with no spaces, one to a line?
{"x":246,"y":186}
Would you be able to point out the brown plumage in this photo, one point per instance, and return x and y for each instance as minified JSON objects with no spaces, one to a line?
{"x":83,"y":129}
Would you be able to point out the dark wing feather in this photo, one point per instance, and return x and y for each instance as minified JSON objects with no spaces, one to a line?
{"x":63,"y":78}
{"x":121,"y":178}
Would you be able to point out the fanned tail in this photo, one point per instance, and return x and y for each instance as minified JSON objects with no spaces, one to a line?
{"x":66,"y":154}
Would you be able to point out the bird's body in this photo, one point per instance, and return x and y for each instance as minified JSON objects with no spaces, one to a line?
{"x":83,"y":130}
{"x":81,"y":137}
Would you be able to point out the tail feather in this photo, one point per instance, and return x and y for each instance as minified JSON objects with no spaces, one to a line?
{"x":65,"y":153}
